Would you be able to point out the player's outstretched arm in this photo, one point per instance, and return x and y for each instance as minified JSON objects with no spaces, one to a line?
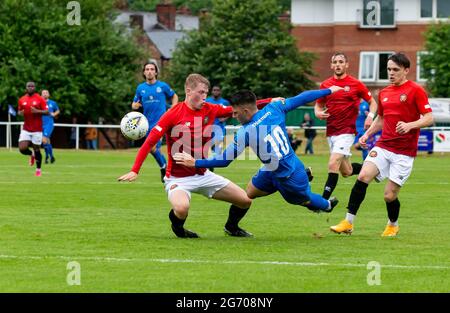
{"x":231,"y":152}
{"x":308,"y":96}
{"x":130,"y":176}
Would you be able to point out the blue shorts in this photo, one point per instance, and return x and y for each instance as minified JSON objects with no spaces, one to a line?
{"x":295,"y":189}
{"x":359,"y":134}
{"x":47,"y":130}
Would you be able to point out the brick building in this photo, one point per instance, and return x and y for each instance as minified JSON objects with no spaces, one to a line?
{"x":368,"y":31}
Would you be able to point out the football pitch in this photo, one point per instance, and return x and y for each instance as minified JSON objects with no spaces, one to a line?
{"x":119,"y":233}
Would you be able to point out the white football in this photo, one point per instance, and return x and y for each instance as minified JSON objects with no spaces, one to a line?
{"x":134,"y":126}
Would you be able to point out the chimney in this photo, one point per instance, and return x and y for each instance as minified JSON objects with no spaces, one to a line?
{"x":137,"y":20}
{"x":166,"y":13}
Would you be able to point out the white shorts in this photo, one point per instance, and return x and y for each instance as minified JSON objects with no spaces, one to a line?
{"x":34,"y":137}
{"x":206,"y":184}
{"x":341,"y":144}
{"x":396,"y":167}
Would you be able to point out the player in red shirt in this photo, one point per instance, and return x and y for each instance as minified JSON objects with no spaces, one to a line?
{"x":399,"y":117}
{"x":32,"y":106}
{"x":340,"y":110}
{"x":188,"y":126}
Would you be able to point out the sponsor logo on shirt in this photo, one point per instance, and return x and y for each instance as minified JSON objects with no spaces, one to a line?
{"x":347,"y":88}
{"x":158,"y":128}
{"x":385,"y":99}
{"x":403,"y":97}
{"x":427,"y":106}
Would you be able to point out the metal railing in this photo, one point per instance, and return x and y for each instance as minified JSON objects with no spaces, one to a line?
{"x":78,"y":126}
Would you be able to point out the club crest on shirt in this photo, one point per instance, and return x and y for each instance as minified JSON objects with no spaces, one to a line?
{"x":158,"y":89}
{"x":373,"y":154}
{"x":403,"y":97}
{"x":346,"y":88}
{"x":206,"y":120}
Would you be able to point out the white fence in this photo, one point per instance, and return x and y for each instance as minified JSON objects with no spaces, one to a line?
{"x":443,"y":141}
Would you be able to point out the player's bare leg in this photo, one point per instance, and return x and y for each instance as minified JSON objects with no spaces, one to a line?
{"x":240,"y":203}
{"x":180,"y":202}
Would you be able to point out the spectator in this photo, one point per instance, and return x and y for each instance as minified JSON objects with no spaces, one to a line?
{"x":310,"y":133}
{"x":90,"y":135}
{"x":73,"y":134}
{"x":295,"y":142}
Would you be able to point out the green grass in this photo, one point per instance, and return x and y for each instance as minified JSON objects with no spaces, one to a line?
{"x":120,"y":232}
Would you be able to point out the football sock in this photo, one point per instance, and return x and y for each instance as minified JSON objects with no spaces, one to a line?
{"x":160,"y":159}
{"x":330,"y":185}
{"x":234,"y":216}
{"x":350,"y":217}
{"x":26,"y":152}
{"x":317,"y":202}
{"x":357,"y":196}
{"x":38,"y":156}
{"x":356,"y":168}
{"x":176,"y":222}
{"x":50,"y":149}
{"x":47,"y":154}
{"x":393,"y":209}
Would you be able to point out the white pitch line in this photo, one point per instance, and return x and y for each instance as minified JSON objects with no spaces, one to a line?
{"x":215,"y":262}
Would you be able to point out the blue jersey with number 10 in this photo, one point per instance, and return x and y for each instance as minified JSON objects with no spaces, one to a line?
{"x":266,"y":135}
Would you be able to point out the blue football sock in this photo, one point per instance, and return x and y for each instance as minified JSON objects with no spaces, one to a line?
{"x":46,"y":150}
{"x":50,"y":149}
{"x":160,"y":159}
{"x":317,"y":202}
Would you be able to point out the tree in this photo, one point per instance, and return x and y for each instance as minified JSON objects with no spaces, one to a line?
{"x":90,"y":69}
{"x":435,"y":62}
{"x":242,"y":44}
{"x":194,"y":5}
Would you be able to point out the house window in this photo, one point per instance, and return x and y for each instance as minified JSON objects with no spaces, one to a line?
{"x":420,"y":69}
{"x":373,"y":66}
{"x":434,"y":8}
{"x":378,"y":14}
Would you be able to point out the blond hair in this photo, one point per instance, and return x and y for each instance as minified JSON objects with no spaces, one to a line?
{"x":193,"y":80}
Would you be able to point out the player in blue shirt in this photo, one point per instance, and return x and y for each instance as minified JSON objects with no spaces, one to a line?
{"x":362,"y":115}
{"x":264,"y":131}
{"x":151,"y":95}
{"x":219,"y":123}
{"x":48,"y":125}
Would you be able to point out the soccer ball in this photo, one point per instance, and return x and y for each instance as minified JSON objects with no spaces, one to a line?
{"x":134,"y":126}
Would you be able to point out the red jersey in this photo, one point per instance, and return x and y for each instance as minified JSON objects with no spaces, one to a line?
{"x":32,"y":121}
{"x":186,"y":130}
{"x":401,"y":103}
{"x":343,"y":106}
